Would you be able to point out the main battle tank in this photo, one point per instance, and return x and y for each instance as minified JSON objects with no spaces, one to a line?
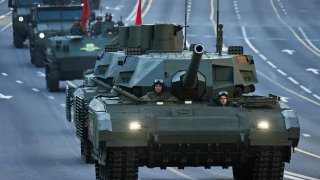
{"x":254,"y":136}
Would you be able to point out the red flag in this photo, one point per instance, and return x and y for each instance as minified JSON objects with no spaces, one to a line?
{"x":85,"y":14}
{"x":138,"y":17}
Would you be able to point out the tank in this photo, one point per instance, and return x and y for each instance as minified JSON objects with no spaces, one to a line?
{"x":47,"y":21}
{"x":68,"y":56}
{"x":254,"y":135}
{"x":20,"y":19}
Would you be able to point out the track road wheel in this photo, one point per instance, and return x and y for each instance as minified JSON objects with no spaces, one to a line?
{"x":52,"y":79}
{"x":86,"y":150}
{"x":17,"y":40}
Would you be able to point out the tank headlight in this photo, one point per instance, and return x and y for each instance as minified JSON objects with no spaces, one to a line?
{"x":134,"y":126}
{"x":42,"y":35}
{"x":263,"y":125}
{"x":20,"y":19}
{"x":187,"y":102}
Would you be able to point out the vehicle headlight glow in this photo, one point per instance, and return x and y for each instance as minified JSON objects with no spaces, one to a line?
{"x":134,"y":126}
{"x":263,"y":125}
{"x":20,"y":19}
{"x":42,"y":35}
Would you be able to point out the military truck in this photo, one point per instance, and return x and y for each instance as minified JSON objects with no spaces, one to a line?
{"x":21,"y":19}
{"x":47,"y":21}
{"x":68,"y":56}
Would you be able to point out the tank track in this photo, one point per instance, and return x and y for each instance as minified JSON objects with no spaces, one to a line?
{"x":69,"y":102}
{"x":266,"y":164}
{"x":121,"y":163}
{"x":82,"y":131}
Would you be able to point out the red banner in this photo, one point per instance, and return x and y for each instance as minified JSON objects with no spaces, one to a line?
{"x":139,"y":17}
{"x":85,"y":14}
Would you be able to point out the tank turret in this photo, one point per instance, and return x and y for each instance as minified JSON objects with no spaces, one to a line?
{"x":190,"y":84}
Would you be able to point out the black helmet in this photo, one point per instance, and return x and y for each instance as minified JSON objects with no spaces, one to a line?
{"x":158,"y":81}
{"x":108,"y":15}
{"x":99,"y":18}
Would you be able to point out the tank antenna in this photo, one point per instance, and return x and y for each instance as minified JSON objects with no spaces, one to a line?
{"x":185,"y":25}
{"x":219,"y":40}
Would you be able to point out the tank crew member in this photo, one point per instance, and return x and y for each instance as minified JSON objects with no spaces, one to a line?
{"x":76,"y":28}
{"x":223,"y":98}
{"x":159,"y":93}
{"x":108,"y":25}
{"x":97,"y":27}
{"x":89,"y":33}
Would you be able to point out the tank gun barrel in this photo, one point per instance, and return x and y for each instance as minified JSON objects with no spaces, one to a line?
{"x":190,"y":78}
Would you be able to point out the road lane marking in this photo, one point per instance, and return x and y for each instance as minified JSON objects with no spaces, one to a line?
{"x":5,"y":96}
{"x":306,"y":135}
{"x":292,"y":177}
{"x":246,"y":39}
{"x":147,"y":9}
{"x":289,"y":51}
{"x":35,"y":90}
{"x":300,"y":176}
{"x":316,"y":96}
{"x":293,"y":80}
{"x":281,"y":72}
{"x":315,"y":71}
{"x":63,"y":105}
{"x":308,"y":40}
{"x":4,"y":74}
{"x":19,"y":82}
{"x":263,"y":57}
{"x":179,"y":173}
{"x":292,"y":31}
{"x":71,"y":84}
{"x":4,"y":28}
{"x":41,"y":74}
{"x":308,"y":153}
{"x":271,"y":64}
{"x":134,"y":11}
{"x":289,"y":90}
{"x":51,"y":97}
{"x":305,"y":89}
{"x":5,"y":15}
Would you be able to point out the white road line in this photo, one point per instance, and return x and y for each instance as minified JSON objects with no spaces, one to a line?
{"x":63,"y":105}
{"x":19,"y":82}
{"x":293,"y":80}
{"x":134,"y":11}
{"x":41,"y":74}
{"x":263,"y":57}
{"x":51,"y":97}
{"x":147,"y":9}
{"x":292,"y":31}
{"x":5,"y":97}
{"x":306,"y":135}
{"x":2,"y":1}
{"x":71,"y":84}
{"x":305,"y":89}
{"x":281,"y":72}
{"x":308,"y":40}
{"x":289,"y":90}
{"x":4,"y":28}
{"x":271,"y":64}
{"x":300,"y":176}
{"x":308,"y":153}
{"x":316,"y":96}
{"x":35,"y":90}
{"x":179,"y":173}
{"x":5,"y":15}
{"x":244,"y":34}
{"x":292,"y":177}
{"x":4,"y":74}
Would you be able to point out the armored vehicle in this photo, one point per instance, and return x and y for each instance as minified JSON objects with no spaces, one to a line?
{"x":254,"y":136}
{"x":21,"y":19}
{"x":68,"y":56}
{"x":47,"y":21}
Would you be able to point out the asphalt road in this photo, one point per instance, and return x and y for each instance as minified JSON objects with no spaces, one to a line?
{"x":37,"y":142}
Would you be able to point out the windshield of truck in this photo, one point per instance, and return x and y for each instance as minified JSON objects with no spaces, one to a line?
{"x":56,"y":15}
{"x":29,"y":2}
